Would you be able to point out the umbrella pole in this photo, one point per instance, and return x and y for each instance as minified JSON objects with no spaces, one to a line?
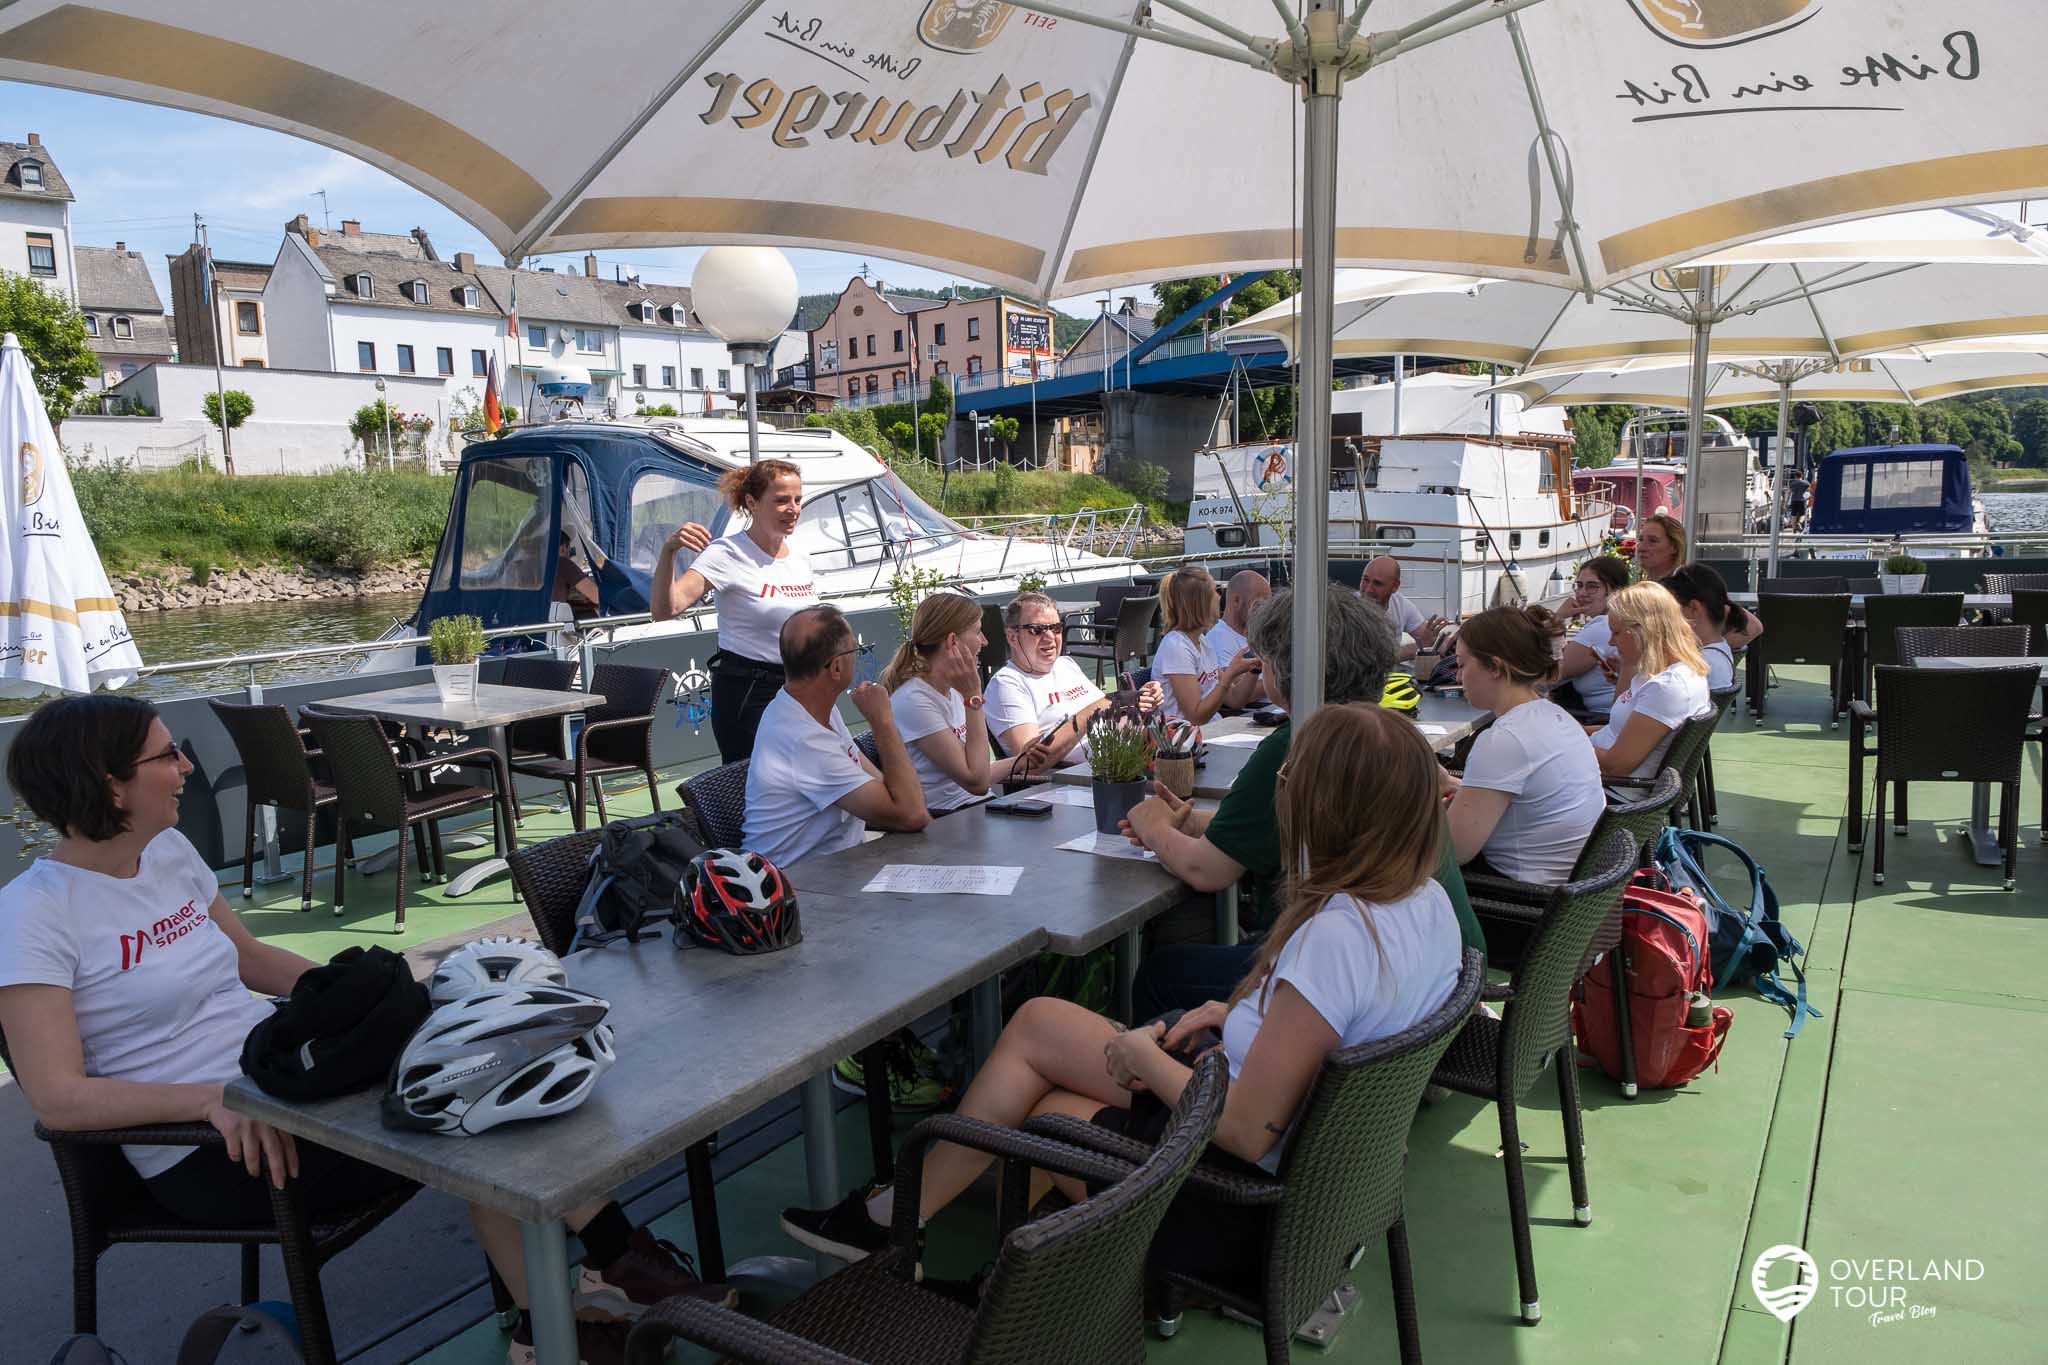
{"x":1696,"y":409}
{"x":1778,"y":466}
{"x":1312,"y":422}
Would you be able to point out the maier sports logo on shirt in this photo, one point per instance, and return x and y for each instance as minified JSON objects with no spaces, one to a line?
{"x":162,"y":934}
{"x":787,"y":590}
{"x":1055,"y":697}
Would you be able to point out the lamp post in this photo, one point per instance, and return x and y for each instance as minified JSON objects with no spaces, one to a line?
{"x":390,"y":461}
{"x":746,"y":296}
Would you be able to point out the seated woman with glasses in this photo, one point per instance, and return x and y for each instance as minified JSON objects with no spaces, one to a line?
{"x":1367,"y":945}
{"x":1585,"y":677}
{"x":128,"y":987}
{"x":1663,"y":681}
{"x":934,"y":684}
{"x":1041,"y":696}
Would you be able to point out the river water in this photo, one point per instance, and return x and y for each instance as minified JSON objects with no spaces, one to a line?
{"x":210,"y":632}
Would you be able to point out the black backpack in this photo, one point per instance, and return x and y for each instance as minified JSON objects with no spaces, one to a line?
{"x":634,"y":872}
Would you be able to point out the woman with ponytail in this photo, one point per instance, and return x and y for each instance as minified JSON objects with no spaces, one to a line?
{"x":1716,"y":621}
{"x":934,"y":684}
{"x":1530,"y":794}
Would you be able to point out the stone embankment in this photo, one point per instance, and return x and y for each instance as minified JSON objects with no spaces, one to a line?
{"x":171,"y":589}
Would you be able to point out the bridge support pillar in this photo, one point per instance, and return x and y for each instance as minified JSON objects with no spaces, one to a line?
{"x":1156,"y":429}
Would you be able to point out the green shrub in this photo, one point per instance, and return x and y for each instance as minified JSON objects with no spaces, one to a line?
{"x":240,"y":405}
{"x":455,"y":639}
{"x":202,"y":572}
{"x":1902,"y":565}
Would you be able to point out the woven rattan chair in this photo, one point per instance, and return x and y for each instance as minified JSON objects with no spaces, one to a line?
{"x":1509,"y":911}
{"x":1804,"y":585}
{"x":276,"y":771}
{"x":995,"y":645}
{"x":2030,"y":609}
{"x":1705,"y":799}
{"x":110,"y":1206}
{"x":1068,"y":1287}
{"x":615,"y":737}
{"x":1500,"y":1059}
{"x":376,"y":790}
{"x":1805,"y":628}
{"x":1128,"y":641}
{"x":1944,"y":725}
{"x":1341,"y":1182}
{"x":542,"y":735}
{"x":870,"y":747}
{"x":719,"y":801}
{"x":1886,"y":614}
{"x":1938,"y":642}
{"x":1995,"y":583}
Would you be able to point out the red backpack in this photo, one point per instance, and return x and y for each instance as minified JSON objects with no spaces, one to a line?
{"x":1664,"y":933}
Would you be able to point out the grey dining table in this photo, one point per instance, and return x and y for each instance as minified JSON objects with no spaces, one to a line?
{"x":1972,"y":601}
{"x":492,"y":709}
{"x":703,"y":1037}
{"x":1983,"y":839}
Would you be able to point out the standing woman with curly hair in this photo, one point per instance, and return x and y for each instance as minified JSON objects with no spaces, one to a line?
{"x":761,"y":582}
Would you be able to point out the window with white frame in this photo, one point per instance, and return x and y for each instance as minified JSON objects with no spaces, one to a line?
{"x":537,"y":336}
{"x":42,"y":254}
{"x":668,"y":376}
{"x":468,"y":295}
{"x":365,"y":286}
{"x":696,"y":378}
{"x":31,"y":174}
{"x":124,"y":329}
{"x":248,"y":319}
{"x":589,"y":340}
{"x":639,"y":376}
{"x":92,"y":325}
{"x":416,"y":290}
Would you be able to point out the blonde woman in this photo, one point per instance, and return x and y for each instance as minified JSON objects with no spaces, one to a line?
{"x":1197,"y":684}
{"x":1663,"y":681}
{"x":1367,"y":945}
{"x":934,"y":684}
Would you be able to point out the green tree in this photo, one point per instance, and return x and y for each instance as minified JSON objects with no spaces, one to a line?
{"x":1004,"y":429}
{"x":240,"y":406}
{"x":902,"y":435}
{"x":2030,"y":429}
{"x":1178,"y":296}
{"x":52,"y":333}
{"x":931,"y":426}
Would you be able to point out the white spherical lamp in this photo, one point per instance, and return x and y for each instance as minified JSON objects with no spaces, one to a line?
{"x":746,"y":296}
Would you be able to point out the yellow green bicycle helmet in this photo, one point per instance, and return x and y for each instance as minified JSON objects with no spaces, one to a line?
{"x":1400,"y":694}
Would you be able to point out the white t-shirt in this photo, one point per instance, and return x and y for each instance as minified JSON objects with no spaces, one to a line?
{"x":1014,"y":697}
{"x":1671,"y":698}
{"x":756,"y":593}
{"x":1540,"y":757}
{"x":1182,"y":655}
{"x":1594,"y":687}
{"x":1406,"y":616}
{"x":800,"y":768}
{"x":1361,"y":991}
{"x":1225,"y":643}
{"x":1720,"y":666}
{"x":921,"y":710}
{"x":155,"y":984}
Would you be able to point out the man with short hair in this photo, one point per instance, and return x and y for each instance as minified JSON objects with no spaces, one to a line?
{"x":1382,"y":585}
{"x":1248,"y":588}
{"x":809,"y":790}
{"x":1242,"y":837}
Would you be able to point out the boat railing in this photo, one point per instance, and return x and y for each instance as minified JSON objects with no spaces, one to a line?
{"x":1756,"y":545}
{"x":1099,"y":530}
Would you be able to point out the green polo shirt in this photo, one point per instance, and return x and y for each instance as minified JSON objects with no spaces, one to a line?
{"x":1246,"y":828}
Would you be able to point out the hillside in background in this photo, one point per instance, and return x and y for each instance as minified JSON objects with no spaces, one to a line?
{"x":813,"y":309}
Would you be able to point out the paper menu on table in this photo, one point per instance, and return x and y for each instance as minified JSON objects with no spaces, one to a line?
{"x":1064,"y":796}
{"x":1110,"y":846}
{"x":1237,"y":741}
{"x":927,"y":879}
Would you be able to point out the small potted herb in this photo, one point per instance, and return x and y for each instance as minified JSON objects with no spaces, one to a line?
{"x":455,"y":642}
{"x":1120,"y":747}
{"x":1901,"y":573}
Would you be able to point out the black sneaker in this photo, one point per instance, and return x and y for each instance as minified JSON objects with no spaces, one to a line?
{"x":844,"y":1230}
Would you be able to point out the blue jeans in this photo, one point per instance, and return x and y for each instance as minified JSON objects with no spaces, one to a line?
{"x":1181,"y":976}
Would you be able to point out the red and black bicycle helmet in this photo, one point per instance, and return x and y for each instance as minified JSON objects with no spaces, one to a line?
{"x":738,"y":901}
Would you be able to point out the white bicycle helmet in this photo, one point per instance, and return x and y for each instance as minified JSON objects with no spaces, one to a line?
{"x":504,"y":1053}
{"x":495,"y":961}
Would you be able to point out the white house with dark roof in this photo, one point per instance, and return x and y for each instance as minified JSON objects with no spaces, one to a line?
{"x":35,"y":217}
{"x":124,"y":316}
{"x":334,"y":302}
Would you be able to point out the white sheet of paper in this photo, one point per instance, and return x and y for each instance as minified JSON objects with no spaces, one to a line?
{"x":1434,"y":729}
{"x":926,"y":879}
{"x":1110,"y":846}
{"x":1238,"y":741}
{"x":1064,"y":796}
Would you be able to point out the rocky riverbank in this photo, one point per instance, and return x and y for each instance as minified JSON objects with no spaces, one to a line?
{"x":171,"y":589}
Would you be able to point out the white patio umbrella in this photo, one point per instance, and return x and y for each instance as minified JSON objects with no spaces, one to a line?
{"x":61,"y":629}
{"x":1059,"y":148}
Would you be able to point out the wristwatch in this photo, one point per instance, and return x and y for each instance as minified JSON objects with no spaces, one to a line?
{"x":973,"y":703}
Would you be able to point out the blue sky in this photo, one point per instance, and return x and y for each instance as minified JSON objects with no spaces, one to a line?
{"x":140,"y":172}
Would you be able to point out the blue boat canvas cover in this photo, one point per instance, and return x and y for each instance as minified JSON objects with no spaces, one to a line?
{"x":1892,"y":490}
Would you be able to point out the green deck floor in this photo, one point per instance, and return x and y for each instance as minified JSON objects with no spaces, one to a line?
{"x":1899,"y":1125}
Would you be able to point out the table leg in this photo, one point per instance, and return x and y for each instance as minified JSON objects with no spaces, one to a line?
{"x":1983,"y":839}
{"x":984,"y":1018}
{"x":546,"y":1243}
{"x":821,"y":1152}
{"x":1127,"y":950}
{"x":1226,"y":914}
{"x":490,"y":869}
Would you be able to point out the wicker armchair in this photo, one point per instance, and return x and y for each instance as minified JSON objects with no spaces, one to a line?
{"x":718,"y":799}
{"x":542,"y":735}
{"x":375,"y":789}
{"x":1806,"y":627}
{"x":1945,"y":725}
{"x":110,"y":1206}
{"x":615,"y":737}
{"x":1342,"y":1181}
{"x":1995,"y":583}
{"x":1804,"y":585}
{"x":1886,"y":614}
{"x":1068,"y":1287}
{"x":276,"y":771}
{"x":1510,"y":911}
{"x":1130,"y":638}
{"x":1706,"y":801}
{"x":2030,"y":609}
{"x":1500,"y":1059}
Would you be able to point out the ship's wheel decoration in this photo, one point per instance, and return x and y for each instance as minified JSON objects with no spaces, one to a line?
{"x":693,"y":697}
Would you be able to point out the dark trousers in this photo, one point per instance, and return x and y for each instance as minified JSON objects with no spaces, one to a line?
{"x":1181,"y":976}
{"x":210,"y":1190}
{"x":740,"y":691}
